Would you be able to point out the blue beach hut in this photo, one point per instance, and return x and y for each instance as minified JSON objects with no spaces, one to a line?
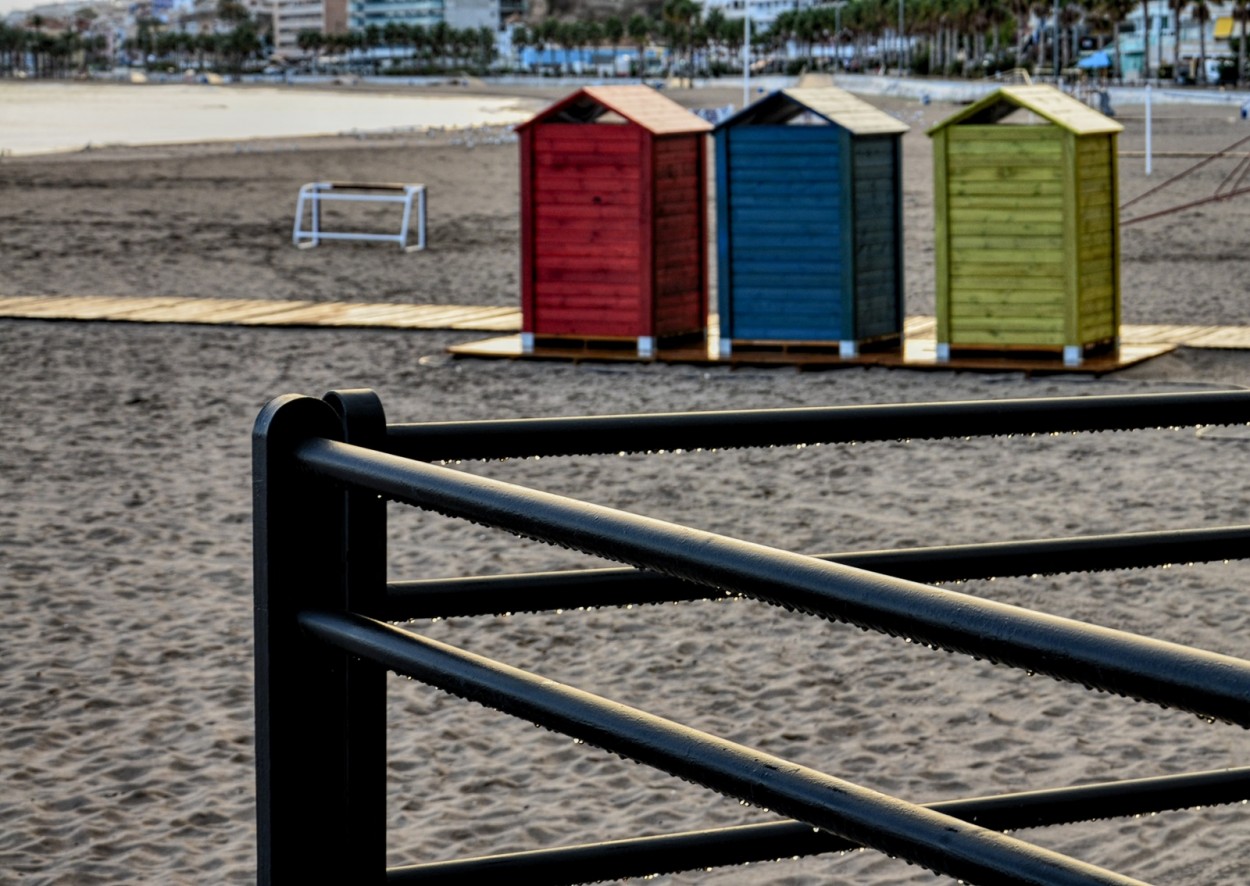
{"x":809,"y":222}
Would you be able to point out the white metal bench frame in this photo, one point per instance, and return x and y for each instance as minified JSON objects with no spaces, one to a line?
{"x":314,"y":193}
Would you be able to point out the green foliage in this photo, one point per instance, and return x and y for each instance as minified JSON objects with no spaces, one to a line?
{"x":232,"y":11}
{"x":920,"y":62}
{"x":1227,"y":72}
{"x":32,"y":50}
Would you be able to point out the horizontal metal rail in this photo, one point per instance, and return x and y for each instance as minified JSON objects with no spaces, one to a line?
{"x":608,"y":434}
{"x":1206,"y":158}
{"x":743,"y":844}
{"x":936,"y":841}
{"x":588,"y":588}
{"x":1208,"y":684}
{"x":1215,"y":198}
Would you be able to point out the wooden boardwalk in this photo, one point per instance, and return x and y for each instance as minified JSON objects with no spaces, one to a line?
{"x":261,"y":312}
{"x":470,"y":318}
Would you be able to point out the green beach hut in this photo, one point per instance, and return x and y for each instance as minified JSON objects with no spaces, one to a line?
{"x":1027,"y":225}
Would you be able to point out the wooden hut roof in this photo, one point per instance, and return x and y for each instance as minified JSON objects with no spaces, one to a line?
{"x":1046,"y":101}
{"x":640,"y":105}
{"x":835,"y":105}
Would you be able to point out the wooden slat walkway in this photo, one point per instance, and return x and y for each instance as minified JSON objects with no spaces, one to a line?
{"x":260,"y":312}
{"x":473,"y":318}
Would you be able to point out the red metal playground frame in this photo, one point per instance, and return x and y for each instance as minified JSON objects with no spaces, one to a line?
{"x":324,"y":468}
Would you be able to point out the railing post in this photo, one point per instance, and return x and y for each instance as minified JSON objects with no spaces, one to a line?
{"x":303,"y":787}
{"x":363,"y":423}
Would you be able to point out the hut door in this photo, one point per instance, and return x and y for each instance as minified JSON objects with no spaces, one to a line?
{"x":786,"y":232}
{"x":587,"y":235}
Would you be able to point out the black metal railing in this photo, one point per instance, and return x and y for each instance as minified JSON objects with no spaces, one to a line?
{"x":323,"y":469}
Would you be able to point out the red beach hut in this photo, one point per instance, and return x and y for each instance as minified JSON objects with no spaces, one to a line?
{"x":613,"y":219}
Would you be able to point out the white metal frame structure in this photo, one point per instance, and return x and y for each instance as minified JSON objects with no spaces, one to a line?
{"x":314,"y":193}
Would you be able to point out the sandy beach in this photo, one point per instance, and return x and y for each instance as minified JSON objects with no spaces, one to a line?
{"x":43,"y":117}
{"x":126,"y":741}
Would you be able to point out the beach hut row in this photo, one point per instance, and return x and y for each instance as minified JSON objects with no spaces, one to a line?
{"x":809,"y":223}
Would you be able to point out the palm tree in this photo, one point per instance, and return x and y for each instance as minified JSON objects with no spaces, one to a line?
{"x":1070,"y":16}
{"x":963,"y":18}
{"x":395,"y":36}
{"x":570,"y":37}
{"x":58,"y":50}
{"x":418,"y":42}
{"x":1019,"y":10}
{"x":904,"y":50}
{"x":783,"y":26}
{"x":350,"y":44}
{"x":439,"y":36}
{"x":521,"y":38}
{"x":310,"y":41}
{"x":679,"y":19}
{"x":35,"y":22}
{"x":485,"y":47}
{"x":546,"y":34}
{"x":1048,"y":37}
{"x":926,"y":19}
{"x":852,"y":28}
{"x":206,"y":43}
{"x":8,"y":42}
{"x":639,"y":29}
{"x":865,"y":23}
{"x":167,"y":46}
{"x":371,"y":40}
{"x":614,"y":32}
{"x":1177,"y":7}
{"x":1241,"y":12}
{"x":714,"y":27}
{"x":94,"y":46}
{"x":12,"y":42}
{"x":84,"y":19}
{"x":806,"y":32}
{"x":232,"y":12}
{"x":241,"y":43}
{"x":1202,"y":14}
{"x":1115,"y":12}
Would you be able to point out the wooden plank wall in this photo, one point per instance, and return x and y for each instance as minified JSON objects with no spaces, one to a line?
{"x":1005,"y":215}
{"x":876,"y":210}
{"x":1097,"y":259}
{"x":680,"y":230}
{"x":785,"y":214}
{"x":587,"y":202}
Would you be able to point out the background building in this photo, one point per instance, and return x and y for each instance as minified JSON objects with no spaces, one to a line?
{"x":1160,"y":35}
{"x":290,"y":17}
{"x":763,"y":12}
{"x":380,"y":13}
{"x":472,"y":14}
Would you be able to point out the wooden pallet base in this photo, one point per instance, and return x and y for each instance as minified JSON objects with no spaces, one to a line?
{"x":915,"y":354}
{"x":1043,"y":351}
{"x":752,"y":346}
{"x":598,"y":343}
